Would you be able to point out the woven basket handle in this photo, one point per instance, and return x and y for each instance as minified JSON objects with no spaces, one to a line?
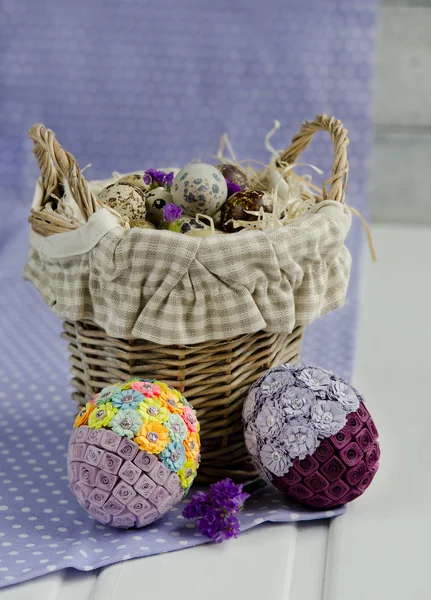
{"x":56,"y":165}
{"x":340,"y":166}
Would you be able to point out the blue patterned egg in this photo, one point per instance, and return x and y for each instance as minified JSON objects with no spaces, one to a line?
{"x":199,"y":188}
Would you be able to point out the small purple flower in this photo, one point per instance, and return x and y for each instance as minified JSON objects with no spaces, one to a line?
{"x":232,"y":187}
{"x":316,"y":380}
{"x":192,"y":509}
{"x":216,"y":510}
{"x":345,"y":395}
{"x":218,"y":528}
{"x":296,"y":401}
{"x":275,"y":458}
{"x":155,"y":178}
{"x":168,"y":180}
{"x":268,"y":421}
{"x":328,"y":417}
{"x":171,"y":212}
{"x":300,"y":438}
{"x":228,"y":494}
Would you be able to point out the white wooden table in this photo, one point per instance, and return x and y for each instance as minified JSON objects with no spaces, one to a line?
{"x":380,"y":549}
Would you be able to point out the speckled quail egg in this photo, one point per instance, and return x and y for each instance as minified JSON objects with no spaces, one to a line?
{"x":127,"y":200}
{"x":236,"y":208}
{"x":199,"y":188}
{"x":156,"y":199}
{"x":142,"y":224}
{"x":189,"y":226}
{"x":234,"y":173}
{"x":134,"y":179}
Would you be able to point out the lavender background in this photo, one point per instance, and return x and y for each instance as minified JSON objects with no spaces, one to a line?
{"x":136,"y":84}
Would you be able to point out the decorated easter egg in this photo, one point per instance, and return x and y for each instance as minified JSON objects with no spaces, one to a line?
{"x":234,"y":173}
{"x":156,"y":199}
{"x":309,"y":434}
{"x":133,"y":453}
{"x":127,"y":200}
{"x":236,"y":208}
{"x":134,"y":179}
{"x":199,"y":188}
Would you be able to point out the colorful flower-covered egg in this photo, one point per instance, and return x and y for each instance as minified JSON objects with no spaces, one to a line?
{"x":127,"y":200}
{"x":133,"y":453}
{"x":309,"y":434}
{"x":238,"y":205}
{"x":156,"y":200}
{"x":199,"y":188}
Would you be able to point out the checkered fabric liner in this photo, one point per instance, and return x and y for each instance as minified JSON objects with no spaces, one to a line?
{"x":174,"y":289}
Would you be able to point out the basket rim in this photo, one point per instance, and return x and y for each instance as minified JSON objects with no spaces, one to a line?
{"x":63,"y":242}
{"x":60,"y":168}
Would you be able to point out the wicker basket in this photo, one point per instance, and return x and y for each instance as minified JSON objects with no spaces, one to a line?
{"x":213,"y":376}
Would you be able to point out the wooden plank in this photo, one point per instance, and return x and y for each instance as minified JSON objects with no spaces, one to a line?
{"x":67,"y":584}
{"x":380,"y":548}
{"x":310,"y":561}
{"x":257,"y":565}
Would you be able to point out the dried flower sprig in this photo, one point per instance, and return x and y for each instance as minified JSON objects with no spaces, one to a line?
{"x":171,"y":212}
{"x":215,"y":511}
{"x":154,"y":178}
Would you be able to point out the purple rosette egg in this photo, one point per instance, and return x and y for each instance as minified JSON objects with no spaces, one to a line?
{"x":310,"y":435}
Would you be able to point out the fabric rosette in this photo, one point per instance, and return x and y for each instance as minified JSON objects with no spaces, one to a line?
{"x":153,"y":409}
{"x":309,"y":433}
{"x":152,"y":415}
{"x":83,"y":415}
{"x":133,"y":453}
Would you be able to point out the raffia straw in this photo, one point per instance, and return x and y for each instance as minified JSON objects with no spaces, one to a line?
{"x":283,"y":211}
{"x":269,"y":135}
{"x":367,"y":229}
{"x":224,"y":141}
{"x":267,"y":220}
{"x":202,"y":218}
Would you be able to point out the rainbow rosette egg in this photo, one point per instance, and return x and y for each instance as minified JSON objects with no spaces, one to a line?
{"x":133,"y":453}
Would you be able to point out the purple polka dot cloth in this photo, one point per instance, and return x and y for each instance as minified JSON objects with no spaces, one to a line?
{"x":42,"y":526}
{"x":132,"y":85}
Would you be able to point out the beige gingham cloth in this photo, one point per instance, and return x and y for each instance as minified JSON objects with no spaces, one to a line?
{"x":174,"y":289}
